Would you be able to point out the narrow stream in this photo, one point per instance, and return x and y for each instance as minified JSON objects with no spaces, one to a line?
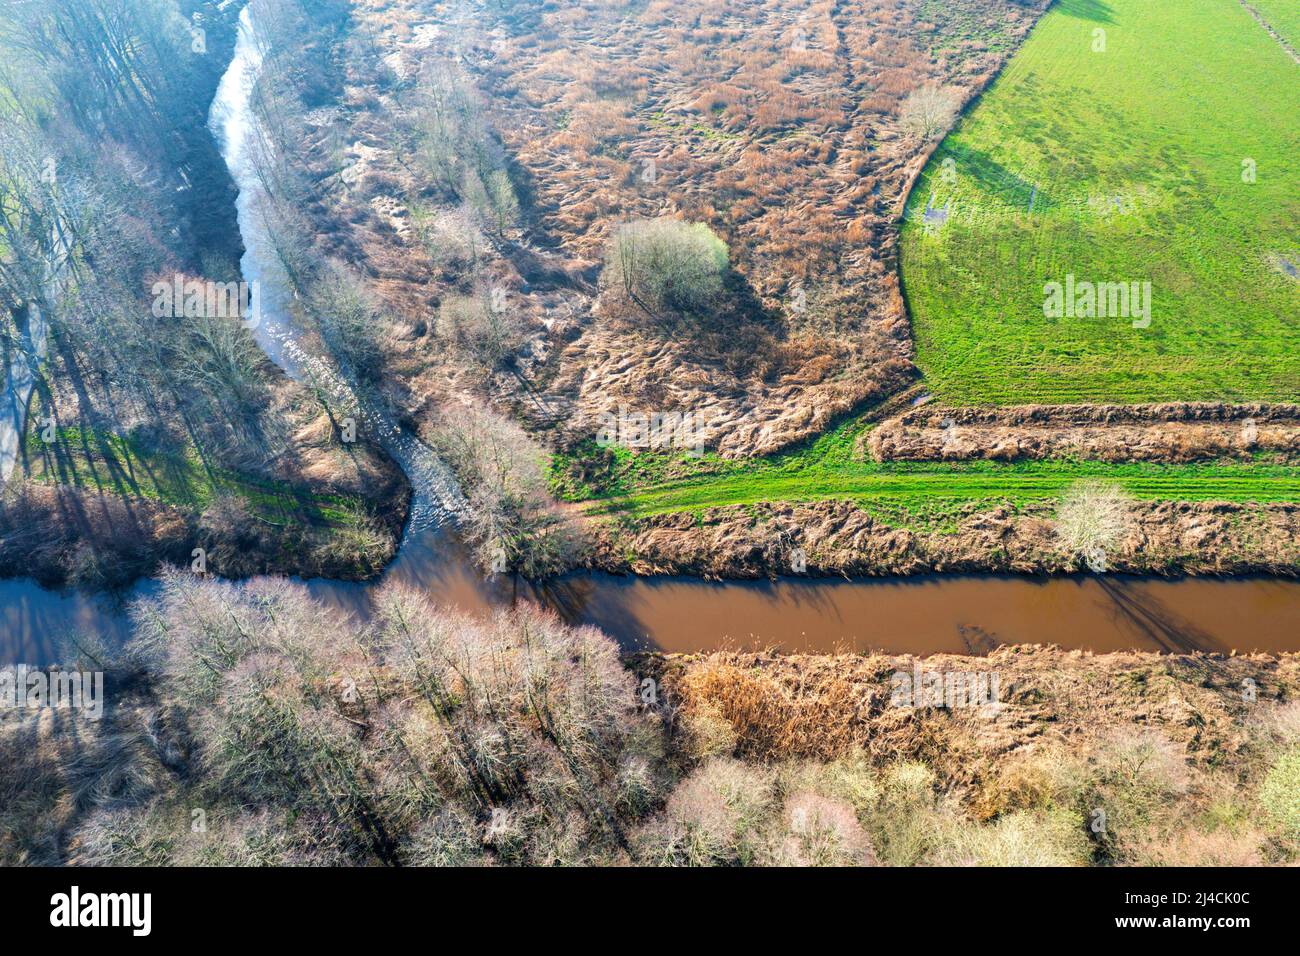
{"x":926,"y":615}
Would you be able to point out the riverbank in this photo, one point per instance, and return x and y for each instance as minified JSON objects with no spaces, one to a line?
{"x":841,"y":538}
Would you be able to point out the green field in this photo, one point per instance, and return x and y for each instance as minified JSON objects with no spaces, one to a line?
{"x":1132,"y":161}
{"x":923,"y":496}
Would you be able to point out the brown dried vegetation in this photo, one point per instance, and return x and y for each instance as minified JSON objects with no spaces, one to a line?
{"x":776,"y":124}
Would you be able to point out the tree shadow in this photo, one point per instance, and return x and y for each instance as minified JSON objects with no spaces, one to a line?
{"x":1095,"y":10}
{"x":997,"y":179}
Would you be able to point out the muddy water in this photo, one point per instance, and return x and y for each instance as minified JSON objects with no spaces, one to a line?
{"x":927,"y":615}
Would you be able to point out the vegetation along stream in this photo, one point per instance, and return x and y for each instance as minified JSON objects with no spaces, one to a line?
{"x":925,"y":615}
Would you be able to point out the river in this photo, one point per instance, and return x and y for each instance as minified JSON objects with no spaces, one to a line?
{"x":924,"y":615}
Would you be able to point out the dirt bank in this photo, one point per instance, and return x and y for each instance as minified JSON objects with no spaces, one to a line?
{"x":1175,"y":432}
{"x":840,"y":538}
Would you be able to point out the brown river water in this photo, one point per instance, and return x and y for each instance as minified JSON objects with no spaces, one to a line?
{"x":934,"y":614}
{"x":923,"y":615}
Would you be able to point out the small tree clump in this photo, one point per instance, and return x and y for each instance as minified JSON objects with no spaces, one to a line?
{"x":514,"y":524}
{"x":929,"y":111}
{"x":666,"y":264}
{"x":420,"y":737}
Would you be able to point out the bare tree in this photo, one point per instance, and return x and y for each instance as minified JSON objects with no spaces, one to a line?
{"x":349,"y":320}
{"x":1092,"y":518}
{"x":929,"y":111}
{"x":515,"y":525}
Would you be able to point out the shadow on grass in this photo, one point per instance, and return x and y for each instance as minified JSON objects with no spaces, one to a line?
{"x":1094,"y":10}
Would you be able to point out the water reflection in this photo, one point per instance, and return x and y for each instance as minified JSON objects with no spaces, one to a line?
{"x":938,"y":614}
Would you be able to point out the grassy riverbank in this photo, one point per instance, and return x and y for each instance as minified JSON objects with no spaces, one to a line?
{"x":910,"y":493}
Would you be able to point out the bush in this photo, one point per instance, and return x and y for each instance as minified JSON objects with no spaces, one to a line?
{"x":714,"y":818}
{"x":1137,"y":775}
{"x":821,"y":831}
{"x":513,"y":524}
{"x":1092,"y":519}
{"x":1280,"y":793}
{"x":1022,"y":838}
{"x":666,"y":264}
{"x":929,"y":111}
{"x":484,"y":335}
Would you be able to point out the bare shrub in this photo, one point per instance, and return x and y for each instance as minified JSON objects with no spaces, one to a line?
{"x":707,"y":732}
{"x":929,"y":111}
{"x":1279,"y":795}
{"x":1137,"y":775}
{"x":450,"y":238}
{"x":502,"y":200}
{"x":713,"y":818}
{"x":486,"y":335}
{"x":514,"y":524}
{"x":1044,"y":778}
{"x":1022,"y":838}
{"x":1092,"y":519}
{"x":910,"y":820}
{"x":666,"y":264}
{"x":821,"y":831}
{"x":850,"y":779}
{"x":449,"y":838}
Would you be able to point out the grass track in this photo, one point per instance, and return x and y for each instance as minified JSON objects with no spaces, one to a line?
{"x":908,"y":494}
{"x":919,"y":489}
{"x":1283,"y":16}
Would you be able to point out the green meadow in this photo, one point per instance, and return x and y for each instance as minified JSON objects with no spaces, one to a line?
{"x":925,"y":496}
{"x":1127,"y":141}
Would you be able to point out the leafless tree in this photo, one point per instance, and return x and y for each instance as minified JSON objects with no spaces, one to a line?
{"x":514,"y":525}
{"x":929,"y":111}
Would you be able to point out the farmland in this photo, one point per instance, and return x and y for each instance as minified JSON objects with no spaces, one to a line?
{"x":1125,"y":142}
